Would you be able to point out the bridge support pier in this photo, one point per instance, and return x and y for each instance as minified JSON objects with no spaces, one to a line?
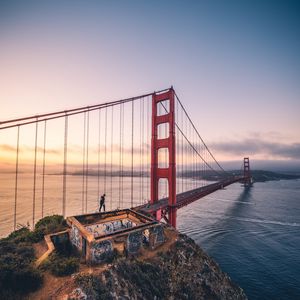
{"x":168,"y":143}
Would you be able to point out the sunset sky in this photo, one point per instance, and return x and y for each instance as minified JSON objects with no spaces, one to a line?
{"x":234,"y":64}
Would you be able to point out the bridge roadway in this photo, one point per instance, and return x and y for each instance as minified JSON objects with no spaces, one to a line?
{"x":188,"y":197}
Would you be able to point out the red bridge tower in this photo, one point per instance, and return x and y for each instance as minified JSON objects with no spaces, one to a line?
{"x":247,"y":173}
{"x":168,"y":143}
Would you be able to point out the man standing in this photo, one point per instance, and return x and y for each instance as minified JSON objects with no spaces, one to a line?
{"x":102,"y":203}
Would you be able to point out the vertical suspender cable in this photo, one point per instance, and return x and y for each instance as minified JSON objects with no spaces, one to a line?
{"x":65,"y":167}
{"x":87,"y":159}
{"x":205,"y":169}
{"x":176,"y":141}
{"x":140,"y":152}
{"x":83,"y":162}
{"x":199,"y":163}
{"x":105,"y":149}
{"x":111,"y":155}
{"x":189,"y":165}
{"x":132,"y":135}
{"x":44,"y":166}
{"x":203,"y":166}
{"x":34,"y":174}
{"x":148,"y":143}
{"x":193,"y":151}
{"x":185,"y":153}
{"x":197,"y":167}
{"x":191,"y":157}
{"x":195,"y":161}
{"x":16,"y":179}
{"x":120,"y":155}
{"x":143,"y":107}
{"x":182,"y":154}
{"x":99,"y":139}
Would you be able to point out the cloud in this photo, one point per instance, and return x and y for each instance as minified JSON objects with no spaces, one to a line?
{"x":116,"y":148}
{"x":255,"y":146}
{"x":9,"y":148}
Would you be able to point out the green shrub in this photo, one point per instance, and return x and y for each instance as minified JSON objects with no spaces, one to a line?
{"x":60,"y":265}
{"x":27,"y":279}
{"x":19,"y":236}
{"x":49,"y":224}
{"x":17,"y":274}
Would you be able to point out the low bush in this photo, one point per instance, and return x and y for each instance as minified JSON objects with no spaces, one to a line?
{"x":60,"y":265}
{"x":17,"y":275}
{"x":18,"y":236}
{"x":47,"y":225}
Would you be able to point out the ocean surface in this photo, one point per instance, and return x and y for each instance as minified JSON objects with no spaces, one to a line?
{"x":253,"y":234}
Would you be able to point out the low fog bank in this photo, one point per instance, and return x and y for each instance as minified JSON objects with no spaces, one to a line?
{"x":286,"y":166}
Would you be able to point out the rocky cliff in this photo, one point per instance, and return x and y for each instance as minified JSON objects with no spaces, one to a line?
{"x":180,"y":271}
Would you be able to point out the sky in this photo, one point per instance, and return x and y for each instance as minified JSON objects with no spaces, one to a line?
{"x":234,"y":64}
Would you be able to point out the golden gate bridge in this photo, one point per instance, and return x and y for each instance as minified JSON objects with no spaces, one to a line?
{"x":148,"y":143}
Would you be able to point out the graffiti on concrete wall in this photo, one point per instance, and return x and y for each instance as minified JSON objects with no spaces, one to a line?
{"x":109,"y":227}
{"x":75,"y":237}
{"x":101,"y":251}
{"x":134,"y":242}
{"x":159,"y":234}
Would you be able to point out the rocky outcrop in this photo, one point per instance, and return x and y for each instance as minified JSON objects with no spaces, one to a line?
{"x":184,"y":271}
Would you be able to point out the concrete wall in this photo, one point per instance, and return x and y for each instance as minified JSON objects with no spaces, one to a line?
{"x":75,"y":237}
{"x":134,"y":242}
{"x":157,"y":236}
{"x":152,"y":237}
{"x":109,"y":227}
{"x":101,"y":251}
{"x":59,"y":238}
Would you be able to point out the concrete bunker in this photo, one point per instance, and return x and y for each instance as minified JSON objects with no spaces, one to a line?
{"x":98,"y":236}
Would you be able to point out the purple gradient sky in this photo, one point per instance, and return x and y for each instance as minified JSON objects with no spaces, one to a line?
{"x":235,"y":66}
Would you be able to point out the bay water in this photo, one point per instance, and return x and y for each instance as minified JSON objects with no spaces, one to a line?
{"x":253,"y":234}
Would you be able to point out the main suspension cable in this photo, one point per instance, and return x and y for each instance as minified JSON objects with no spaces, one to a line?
{"x":199,"y":134}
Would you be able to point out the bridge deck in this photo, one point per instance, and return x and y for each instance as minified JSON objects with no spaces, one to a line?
{"x":185,"y":198}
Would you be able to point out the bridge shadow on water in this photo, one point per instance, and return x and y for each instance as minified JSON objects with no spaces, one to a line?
{"x":239,"y":206}
{"x":227,"y":233}
{"x":227,"y":240}
{"x":230,"y":225}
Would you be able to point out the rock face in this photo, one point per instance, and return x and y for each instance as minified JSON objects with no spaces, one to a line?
{"x":184,"y":271}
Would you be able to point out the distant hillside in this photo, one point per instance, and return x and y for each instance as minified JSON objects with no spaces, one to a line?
{"x":257,"y":175}
{"x":262,"y":176}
